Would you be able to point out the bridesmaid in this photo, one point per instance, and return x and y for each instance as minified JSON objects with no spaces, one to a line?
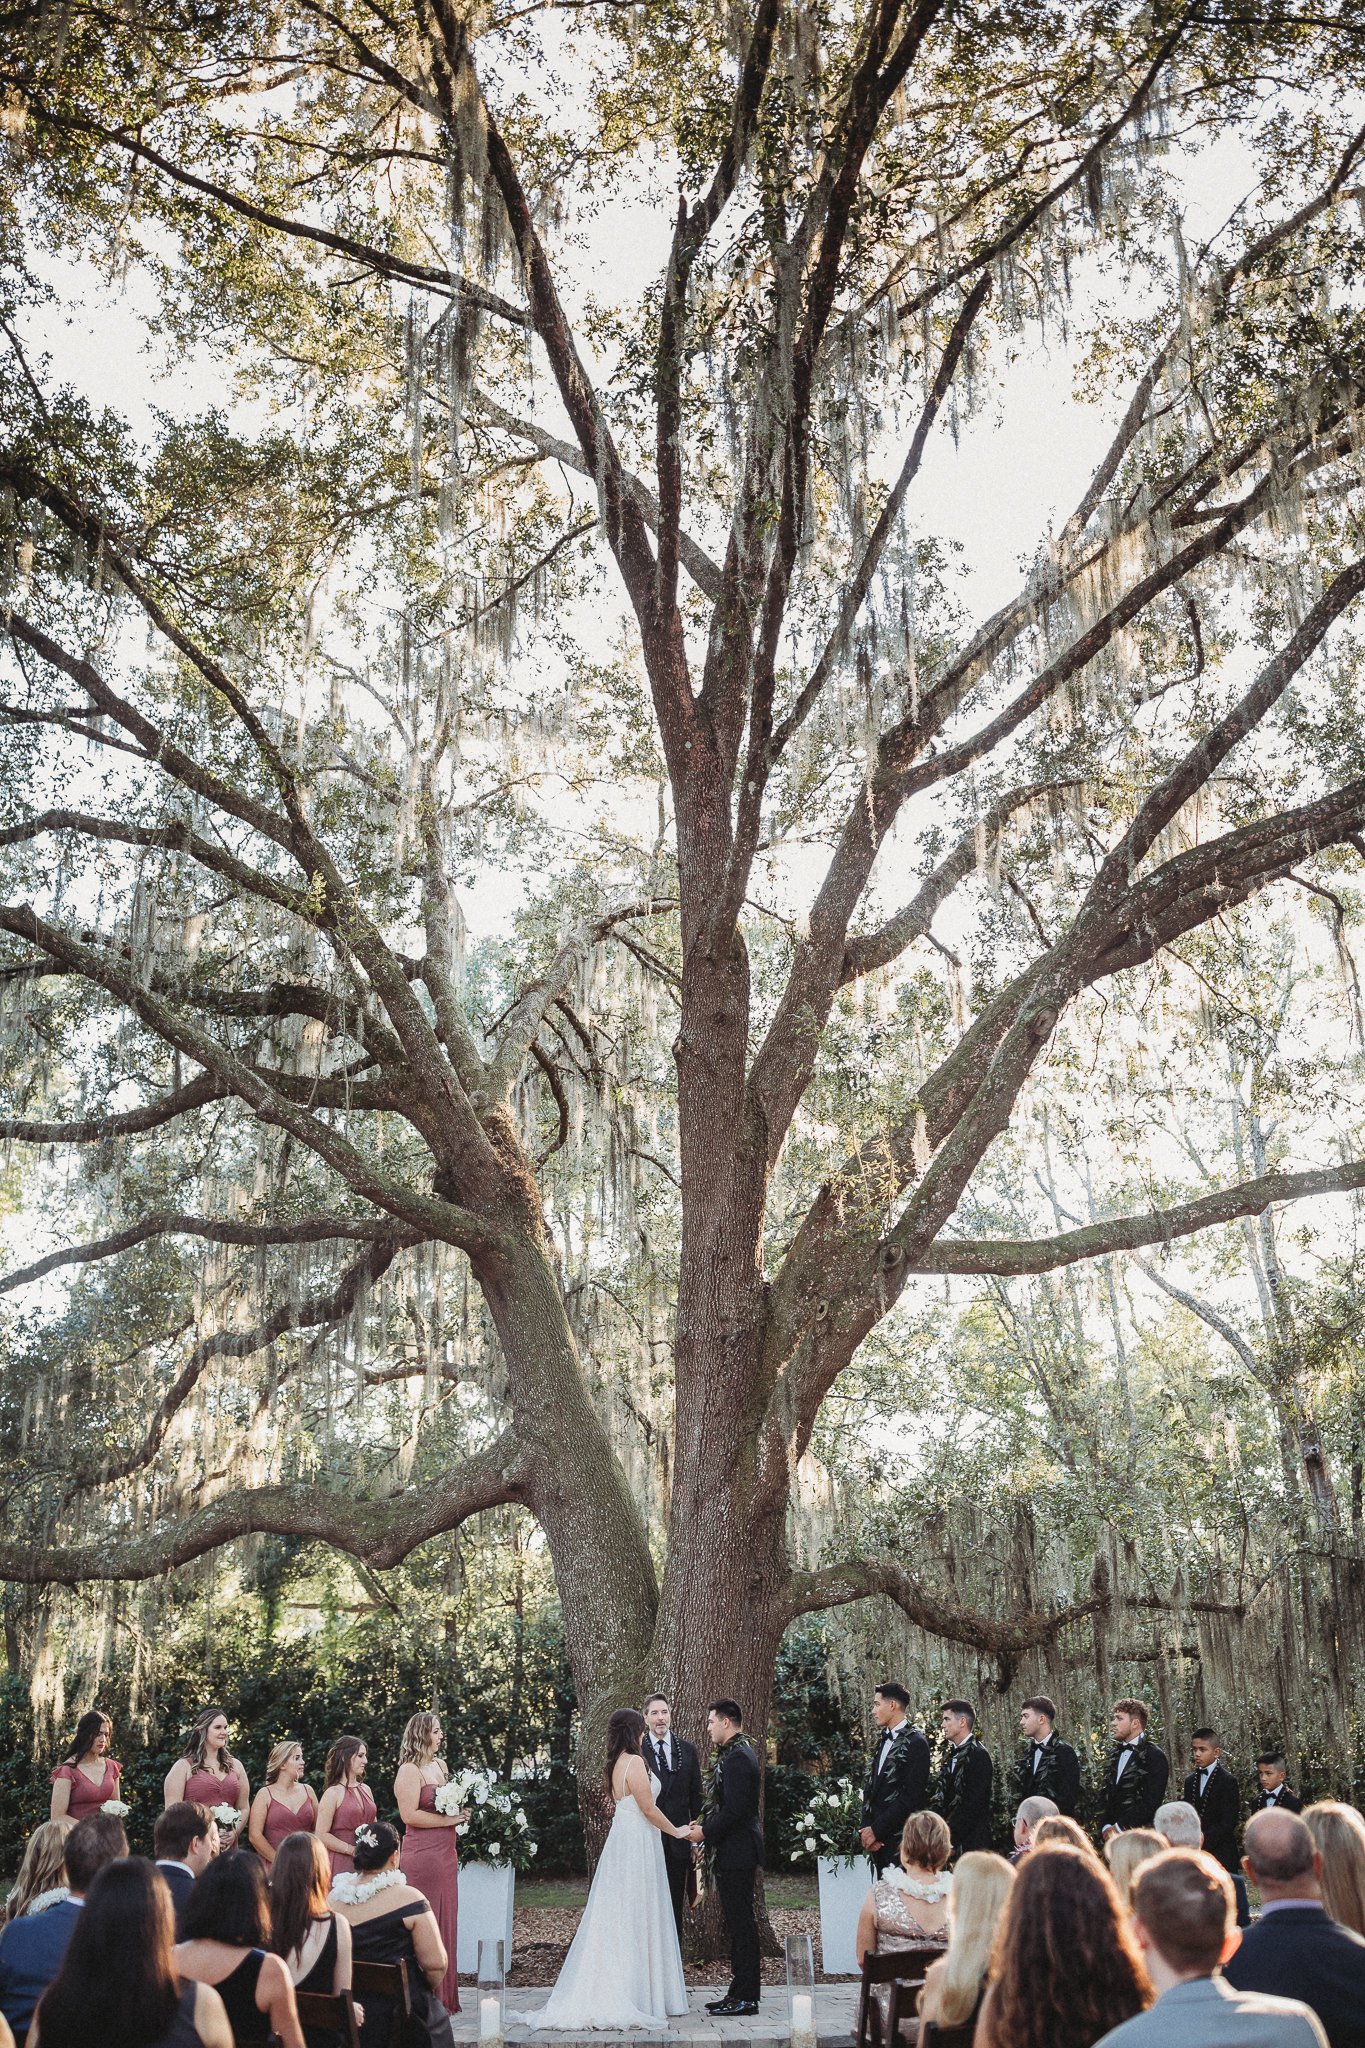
{"x":87,"y":1775}
{"x":431,"y":1856}
{"x":210,"y":1773}
{"x":346,"y":1802}
{"x":284,"y":1805}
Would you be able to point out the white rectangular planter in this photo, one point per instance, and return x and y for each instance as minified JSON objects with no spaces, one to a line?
{"x":843,"y":1887}
{"x":486,"y":1895}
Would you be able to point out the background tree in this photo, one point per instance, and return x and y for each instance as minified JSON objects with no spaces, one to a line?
{"x":623,"y":602}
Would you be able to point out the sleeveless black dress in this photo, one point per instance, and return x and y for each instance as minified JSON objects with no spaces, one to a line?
{"x":182,"y":2032}
{"x":386,"y":1940}
{"x":319,"y":1978}
{"x":238,"y":1993}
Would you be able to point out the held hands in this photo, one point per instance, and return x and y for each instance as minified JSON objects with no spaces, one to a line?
{"x":691,"y":1833}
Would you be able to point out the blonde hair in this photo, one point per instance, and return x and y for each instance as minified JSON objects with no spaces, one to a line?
{"x":279,"y":1757}
{"x":413,"y":1747}
{"x":925,"y":1840}
{"x":1127,"y":1852}
{"x":1339,"y":1837}
{"x":982,"y":1884}
{"x":41,"y":1869}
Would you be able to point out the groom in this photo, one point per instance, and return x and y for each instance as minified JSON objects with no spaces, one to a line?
{"x":734,"y":1849}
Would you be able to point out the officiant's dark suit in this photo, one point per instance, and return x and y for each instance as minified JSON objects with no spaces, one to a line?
{"x":677,"y":1767}
{"x":964,"y":1795}
{"x":897,"y":1786}
{"x":1130,"y":1800}
{"x":734,"y":1851}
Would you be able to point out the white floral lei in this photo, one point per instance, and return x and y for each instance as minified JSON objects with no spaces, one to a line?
{"x":350,"y":1890}
{"x":45,"y":1899}
{"x":938,"y":1887}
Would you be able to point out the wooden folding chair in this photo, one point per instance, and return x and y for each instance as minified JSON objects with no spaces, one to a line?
{"x":902,"y":1971}
{"x":333,"y":2011}
{"x":387,"y":1981}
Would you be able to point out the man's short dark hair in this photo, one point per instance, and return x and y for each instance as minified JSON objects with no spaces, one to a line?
{"x":93,"y":1842}
{"x":1136,"y":1710}
{"x":1185,"y":1901}
{"x":1273,"y":1756}
{"x":1041,"y":1704}
{"x":660,"y":1696}
{"x":730,"y":1710}
{"x":184,"y":1823}
{"x":960,"y":1707}
{"x":892,"y":1689}
{"x":1208,"y":1735}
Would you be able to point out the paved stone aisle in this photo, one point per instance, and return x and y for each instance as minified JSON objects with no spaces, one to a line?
{"x":835,"y":2009}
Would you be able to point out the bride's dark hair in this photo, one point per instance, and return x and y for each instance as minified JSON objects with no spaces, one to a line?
{"x":624,"y":1731}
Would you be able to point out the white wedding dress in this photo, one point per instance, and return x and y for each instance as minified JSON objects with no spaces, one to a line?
{"x":624,"y":1968}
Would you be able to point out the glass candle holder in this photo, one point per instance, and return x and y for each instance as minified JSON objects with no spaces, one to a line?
{"x":492,"y":1992}
{"x":801,"y":1990}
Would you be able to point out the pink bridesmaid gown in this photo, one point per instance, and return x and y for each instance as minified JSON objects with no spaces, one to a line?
{"x":208,"y":1789}
{"x":357,"y":1806}
{"x":86,"y":1796}
{"x":281,"y":1820}
{"x":431,"y":1862}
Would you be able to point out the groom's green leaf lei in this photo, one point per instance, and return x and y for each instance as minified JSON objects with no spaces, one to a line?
{"x":713,"y":1787}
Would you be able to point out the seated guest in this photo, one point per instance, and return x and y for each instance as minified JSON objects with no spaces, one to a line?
{"x":955,"y":1984}
{"x":117,"y":1986}
{"x":1273,"y":1789}
{"x":908,"y":1907}
{"x":1059,"y":1828}
{"x":1184,"y":1918}
{"x":1178,"y":1825}
{"x":31,"y":1949}
{"x":392,"y":1922}
{"x":1294,"y":1950}
{"x":314,"y":1944}
{"x":184,"y":1842}
{"x":42,"y":1874}
{"x":1339,"y":1837}
{"x":226,"y":1944}
{"x":1031,"y":1811}
{"x":1065,"y":1969}
{"x":1126,"y":1853}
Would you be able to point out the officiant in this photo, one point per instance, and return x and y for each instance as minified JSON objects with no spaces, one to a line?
{"x":677,"y":1767}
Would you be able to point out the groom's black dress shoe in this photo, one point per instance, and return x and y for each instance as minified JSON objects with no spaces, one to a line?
{"x":733,"y":2008}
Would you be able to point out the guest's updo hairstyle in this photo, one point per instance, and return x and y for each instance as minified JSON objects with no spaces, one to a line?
{"x":375,"y":1843}
{"x":925,"y":1841}
{"x":625,"y":1732}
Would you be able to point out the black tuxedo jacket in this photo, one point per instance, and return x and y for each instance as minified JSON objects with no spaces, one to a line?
{"x":964,"y":1795}
{"x":1132,"y":1800}
{"x":1220,"y":1814}
{"x":1288,"y":1801}
{"x":1297,"y":1952}
{"x":1058,"y":1776}
{"x":180,"y":1883}
{"x":734,"y":1839}
{"x":898,"y":1789}
{"x":680,"y":1794}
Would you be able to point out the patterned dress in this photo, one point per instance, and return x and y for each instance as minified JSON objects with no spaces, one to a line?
{"x":898,"y":1926}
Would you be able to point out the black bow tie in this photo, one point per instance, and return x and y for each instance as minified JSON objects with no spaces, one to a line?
{"x":1040,"y":1745}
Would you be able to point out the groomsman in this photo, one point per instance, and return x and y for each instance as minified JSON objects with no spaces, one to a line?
{"x":1216,"y":1797}
{"x":1135,"y":1780}
{"x":1271,"y":1769}
{"x":1047,"y":1768}
{"x":677,"y":1767}
{"x":898,"y":1783}
{"x":964,"y":1780}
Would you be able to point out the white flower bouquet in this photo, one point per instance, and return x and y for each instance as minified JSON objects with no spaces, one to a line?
{"x":225,"y":1815}
{"x":119,"y":1808}
{"x":497,"y":1830}
{"x":829,"y":1826}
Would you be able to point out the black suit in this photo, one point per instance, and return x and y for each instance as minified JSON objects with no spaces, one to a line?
{"x":964,"y":1795}
{"x":1131,"y":1801}
{"x":1286,"y":1800}
{"x":680,"y":1798}
{"x":734,"y":1850}
{"x":897,"y":1786}
{"x":181,"y":1883}
{"x":1297,"y":1952}
{"x":1219,"y":1807}
{"x":1057,"y":1775}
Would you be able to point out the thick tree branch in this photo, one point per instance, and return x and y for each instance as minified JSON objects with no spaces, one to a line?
{"x":528,"y":1013}
{"x":171,"y":1223}
{"x":939,"y":1614}
{"x":124,"y":1123}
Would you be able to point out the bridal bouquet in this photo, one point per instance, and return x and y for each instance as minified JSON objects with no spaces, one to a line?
{"x":225,"y":1815}
{"x":829,"y":1826}
{"x":117,"y":1807}
{"x":497,"y":1830}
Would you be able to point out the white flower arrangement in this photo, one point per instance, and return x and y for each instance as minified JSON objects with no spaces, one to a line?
{"x":829,"y":1826}
{"x":117,"y":1807}
{"x":497,"y":1830}
{"x":225,"y":1815}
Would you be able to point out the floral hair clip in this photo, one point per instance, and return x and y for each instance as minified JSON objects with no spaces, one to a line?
{"x":366,"y":1836}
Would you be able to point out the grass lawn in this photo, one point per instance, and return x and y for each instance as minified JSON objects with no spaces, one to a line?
{"x":789,"y":1893}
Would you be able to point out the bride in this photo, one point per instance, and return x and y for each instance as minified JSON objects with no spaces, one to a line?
{"x":624,"y":1968}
